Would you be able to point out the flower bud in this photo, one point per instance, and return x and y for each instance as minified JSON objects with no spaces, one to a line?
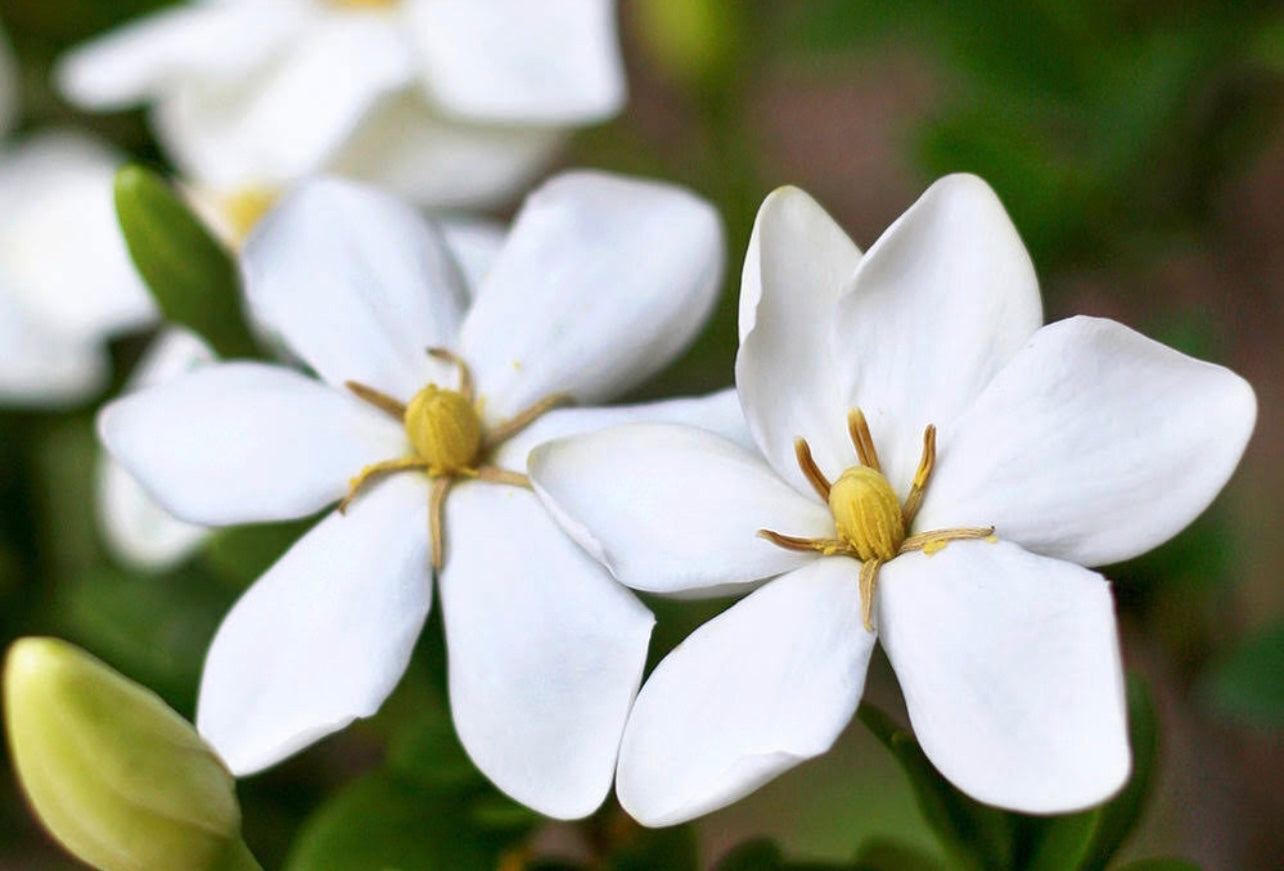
{"x":116,"y":776}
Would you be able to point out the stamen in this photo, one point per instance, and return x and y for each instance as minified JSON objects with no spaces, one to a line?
{"x":518,"y":422}
{"x":925,"y":464}
{"x":858,"y":429}
{"x":810,"y":470}
{"x":378,"y":470}
{"x":868,"y":582}
{"x":826,"y":546}
{"x":436,"y":527}
{"x":496,"y":475}
{"x":381,"y":401}
{"x":446,"y":355}
{"x":924,"y":540}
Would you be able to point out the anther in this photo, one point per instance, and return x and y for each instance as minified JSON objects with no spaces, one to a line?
{"x":812,"y":472}
{"x":858,"y":429}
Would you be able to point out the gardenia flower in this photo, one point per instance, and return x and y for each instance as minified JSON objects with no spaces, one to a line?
{"x":143,"y":534}
{"x":935,"y":469}
{"x":446,"y":102}
{"x":417,"y":425}
{"x":57,"y":308}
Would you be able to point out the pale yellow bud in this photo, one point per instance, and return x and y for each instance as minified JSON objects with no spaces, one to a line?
{"x":117,"y":777}
{"x":444,"y":429}
{"x":867,"y":514}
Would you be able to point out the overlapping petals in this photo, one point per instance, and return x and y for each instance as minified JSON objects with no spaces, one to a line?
{"x":1079,"y":441}
{"x":621,"y":491}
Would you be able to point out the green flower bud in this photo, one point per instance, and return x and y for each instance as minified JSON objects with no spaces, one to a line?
{"x":116,"y":776}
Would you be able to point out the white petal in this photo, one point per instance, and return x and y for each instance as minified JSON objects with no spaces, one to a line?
{"x":552,"y":62}
{"x":545,"y":650}
{"x":40,"y":369}
{"x":58,"y":187}
{"x":603,"y":281}
{"x":670,"y":508}
{"x":1009,"y":663}
{"x":765,"y":685}
{"x":290,"y":119}
{"x":357,"y":284}
{"x":798,"y":262}
{"x":207,"y":41}
{"x":476,"y":244}
{"x":137,"y":530}
{"x":407,"y":148}
{"x":939,"y":304}
{"x":246,"y":442}
{"x":719,"y":413}
{"x":1094,"y":445}
{"x":325,"y":635}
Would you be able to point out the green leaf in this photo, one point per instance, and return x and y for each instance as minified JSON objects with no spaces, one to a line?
{"x":975,"y":836}
{"x":191,"y":276}
{"x":383,"y":822}
{"x":1120,"y":815}
{"x":241,"y":554}
{"x":1248,"y":685}
{"x":885,"y":854}
{"x":673,"y":849}
{"x":1057,"y":843}
{"x":1161,"y":865}
{"x":760,"y":854}
{"x":155,"y":629}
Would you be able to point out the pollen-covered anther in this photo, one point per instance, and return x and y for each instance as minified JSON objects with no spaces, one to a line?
{"x":870,"y":522}
{"x":444,"y":429}
{"x":867,"y":514}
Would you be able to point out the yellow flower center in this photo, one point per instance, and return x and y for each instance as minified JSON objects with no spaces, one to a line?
{"x":867,"y":514}
{"x":870,"y":522}
{"x":244,"y":208}
{"x":448,"y":439}
{"x":444,"y":429}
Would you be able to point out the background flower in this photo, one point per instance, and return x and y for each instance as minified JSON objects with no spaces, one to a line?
{"x":446,"y":103}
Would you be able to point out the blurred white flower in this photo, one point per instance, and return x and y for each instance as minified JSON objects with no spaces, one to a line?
{"x":1078,"y":443}
{"x":600,"y":283}
{"x":446,"y":102}
{"x":66,"y":280}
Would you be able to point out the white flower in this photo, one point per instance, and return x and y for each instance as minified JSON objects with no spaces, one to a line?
{"x":601,"y":282}
{"x":143,"y":534}
{"x":66,"y":280}
{"x":446,"y":102}
{"x":1079,"y":443}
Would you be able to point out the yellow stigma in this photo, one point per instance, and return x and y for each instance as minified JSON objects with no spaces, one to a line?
{"x":867,"y":514}
{"x":444,"y":429}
